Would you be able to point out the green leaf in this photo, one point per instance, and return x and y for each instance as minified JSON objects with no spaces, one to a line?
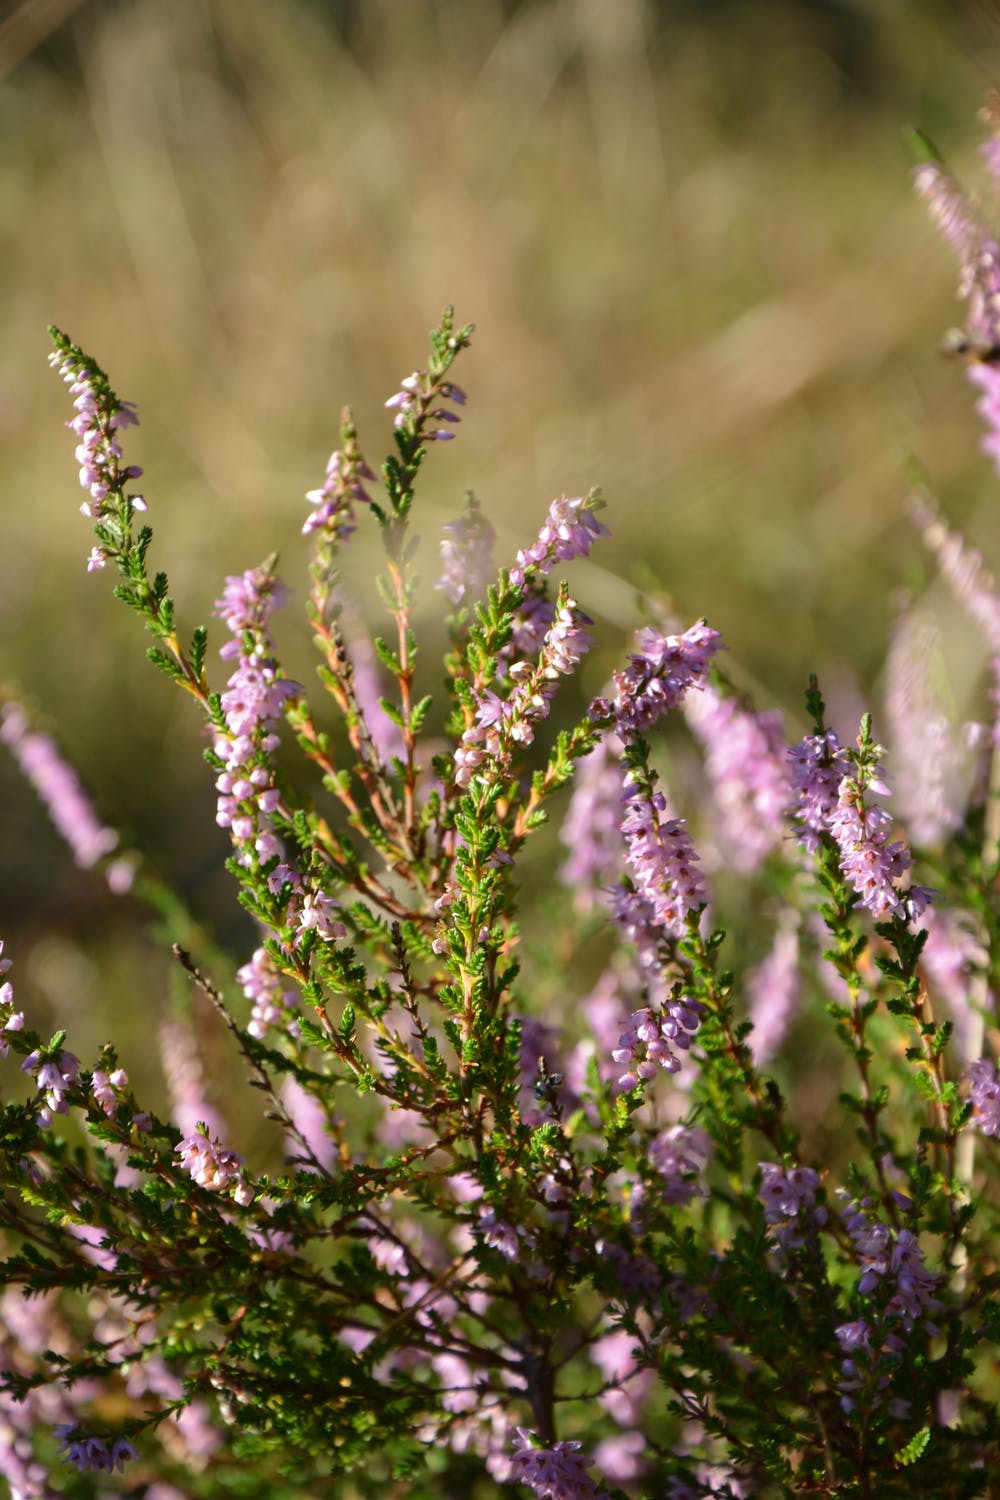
{"x":199,"y":645}
{"x":165,"y":663}
{"x":915,"y":1447}
{"x":922,"y":146}
{"x":387,"y":657}
{"x":419,"y":712}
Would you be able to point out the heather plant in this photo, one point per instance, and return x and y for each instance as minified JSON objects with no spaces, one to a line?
{"x":584,"y":1201}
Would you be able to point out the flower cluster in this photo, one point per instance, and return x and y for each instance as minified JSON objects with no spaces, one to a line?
{"x":93,"y":1455}
{"x":978,"y":256}
{"x":662,"y":861}
{"x":591,"y":829}
{"x":252,"y":705}
{"x":341,"y":490}
{"x":272,"y":998}
{"x":208,"y":1162}
{"x":412,"y":404}
{"x":658,"y":675}
{"x":99,"y":416}
{"x":249,"y":795}
{"x":870,"y":860}
{"x":467,"y":556}
{"x":679,"y":1154}
{"x":57,"y":785}
{"x":570,"y":530}
{"x":654,"y":1038}
{"x":10,"y":1019}
{"x":831,"y":800}
{"x":819,"y":765}
{"x":892,"y":1258}
{"x":900,"y":1294}
{"x":789,"y":1199}
{"x":985,"y":1095}
{"x":745,"y":757}
{"x":502,"y":724}
{"x":55,"y":1074}
{"x":773,"y":992}
{"x":556,"y":1473}
{"x":108,"y":1089}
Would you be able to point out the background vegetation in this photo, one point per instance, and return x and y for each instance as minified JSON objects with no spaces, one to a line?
{"x":685,"y":232}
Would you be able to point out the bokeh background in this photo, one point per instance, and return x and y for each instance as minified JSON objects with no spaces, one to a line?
{"x":685,"y":232}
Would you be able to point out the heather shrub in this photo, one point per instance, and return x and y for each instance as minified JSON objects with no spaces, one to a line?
{"x":589,"y":1199}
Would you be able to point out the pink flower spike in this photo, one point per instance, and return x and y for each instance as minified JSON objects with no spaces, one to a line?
{"x":985,"y":1095}
{"x":569,"y":530}
{"x":659,"y":674}
{"x":57,"y":786}
{"x":556,"y":1473}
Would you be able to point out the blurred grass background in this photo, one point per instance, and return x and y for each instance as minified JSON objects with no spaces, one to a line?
{"x":685,"y":232}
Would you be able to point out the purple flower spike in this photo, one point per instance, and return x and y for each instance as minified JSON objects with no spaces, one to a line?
{"x":92,"y":1455}
{"x":901,"y":1289}
{"x":342,"y":488}
{"x":55,"y":1076}
{"x":252,"y":703}
{"x":411,"y":406}
{"x":978,"y":255}
{"x":210,"y":1164}
{"x":502,"y":724}
{"x":659,"y":674}
{"x":834,"y":801}
{"x":985,"y":1095}
{"x":467,"y":556}
{"x":58,"y":787}
{"x":893,"y":1259}
{"x":591,"y":830}
{"x":654,"y":1038}
{"x":556,"y":1473}
{"x":773,"y":993}
{"x":867,"y":857}
{"x":570,"y":530}
{"x":789,"y":1199}
{"x":931,"y":761}
{"x":819,"y":765}
{"x":99,"y":416}
{"x":10,"y":1019}
{"x":745,"y":757}
{"x":662,"y":861}
{"x":971,"y":583}
{"x":248,"y":602}
{"x":273,"y":999}
{"x":680,"y":1155}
